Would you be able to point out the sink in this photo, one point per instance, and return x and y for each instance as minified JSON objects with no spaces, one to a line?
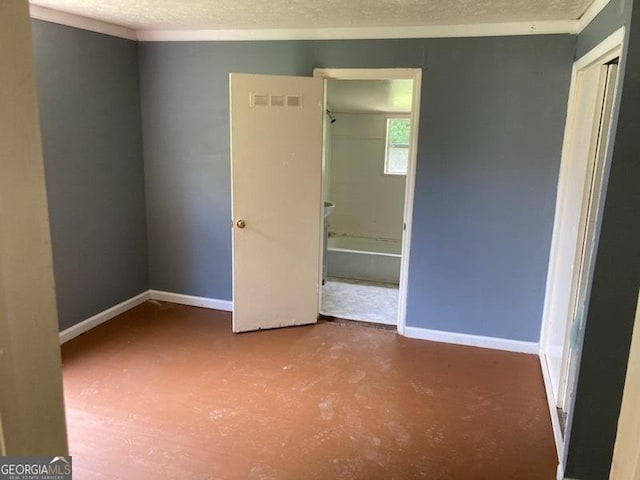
{"x":328,"y":208}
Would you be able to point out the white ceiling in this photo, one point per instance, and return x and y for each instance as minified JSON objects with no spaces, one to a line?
{"x":313,"y":14}
{"x":390,"y":96}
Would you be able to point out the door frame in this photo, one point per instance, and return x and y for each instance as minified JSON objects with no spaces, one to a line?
{"x":626,"y":452}
{"x":608,"y":50}
{"x":414,"y":74}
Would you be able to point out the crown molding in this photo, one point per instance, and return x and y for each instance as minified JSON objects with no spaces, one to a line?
{"x":362,"y":33}
{"x":78,"y":21}
{"x":592,"y":12}
{"x":350,"y":33}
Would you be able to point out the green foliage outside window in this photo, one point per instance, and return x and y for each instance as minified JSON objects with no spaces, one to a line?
{"x":397,"y":154}
{"x":399,"y":130}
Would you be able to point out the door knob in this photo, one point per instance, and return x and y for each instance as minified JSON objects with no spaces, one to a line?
{"x":241,"y":223}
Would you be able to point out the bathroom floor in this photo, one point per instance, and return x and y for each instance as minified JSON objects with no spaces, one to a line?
{"x":360,"y":300}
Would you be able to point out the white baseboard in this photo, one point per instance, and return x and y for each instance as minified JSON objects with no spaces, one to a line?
{"x":555,"y":421}
{"x":86,"y":325}
{"x":560,"y":474}
{"x":203,"y":302}
{"x":79,"y":328}
{"x":472,"y":340}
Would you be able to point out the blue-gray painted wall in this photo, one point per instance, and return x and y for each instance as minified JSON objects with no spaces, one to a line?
{"x":614,"y":15}
{"x":616,"y":276}
{"x":186,"y":144}
{"x":89,"y":100}
{"x":492,"y":120}
{"x":493,"y":117}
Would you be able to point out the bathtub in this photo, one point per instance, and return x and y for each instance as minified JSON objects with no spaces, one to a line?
{"x":364,"y":259}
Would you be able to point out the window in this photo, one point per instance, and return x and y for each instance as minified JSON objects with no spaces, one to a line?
{"x":396,"y":156}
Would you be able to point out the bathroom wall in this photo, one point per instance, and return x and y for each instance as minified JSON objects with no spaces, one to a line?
{"x":369,"y":203}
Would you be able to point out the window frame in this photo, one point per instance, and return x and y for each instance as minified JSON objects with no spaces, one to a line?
{"x":389,"y":119}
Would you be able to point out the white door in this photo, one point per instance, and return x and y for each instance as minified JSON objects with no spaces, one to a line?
{"x":276,"y":170}
{"x":586,"y":247}
{"x":576,"y":173}
{"x":626,"y":453}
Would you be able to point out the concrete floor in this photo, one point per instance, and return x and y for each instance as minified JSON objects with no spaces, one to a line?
{"x":168,"y":392}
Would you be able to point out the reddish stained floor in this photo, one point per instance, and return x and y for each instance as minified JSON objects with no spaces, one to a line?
{"x":167,"y":391}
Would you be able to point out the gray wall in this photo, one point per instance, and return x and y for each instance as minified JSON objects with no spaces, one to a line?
{"x":88,"y":92}
{"x":616,"y":277}
{"x":491,"y":134}
{"x":493,"y":114}
{"x":184,"y":89}
{"x":615,"y":14}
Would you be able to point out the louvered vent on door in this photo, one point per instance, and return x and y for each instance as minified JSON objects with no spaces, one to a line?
{"x":265,"y":100}
{"x":294,"y":101}
{"x":259,"y":100}
{"x":277,"y":100}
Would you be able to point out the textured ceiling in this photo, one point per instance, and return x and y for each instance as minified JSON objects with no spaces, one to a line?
{"x":296,"y":14}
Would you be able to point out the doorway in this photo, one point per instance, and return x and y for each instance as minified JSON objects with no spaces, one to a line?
{"x":369,"y":155}
{"x":580,"y":194}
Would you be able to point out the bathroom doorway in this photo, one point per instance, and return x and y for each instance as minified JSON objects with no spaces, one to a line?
{"x":369,"y":157}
